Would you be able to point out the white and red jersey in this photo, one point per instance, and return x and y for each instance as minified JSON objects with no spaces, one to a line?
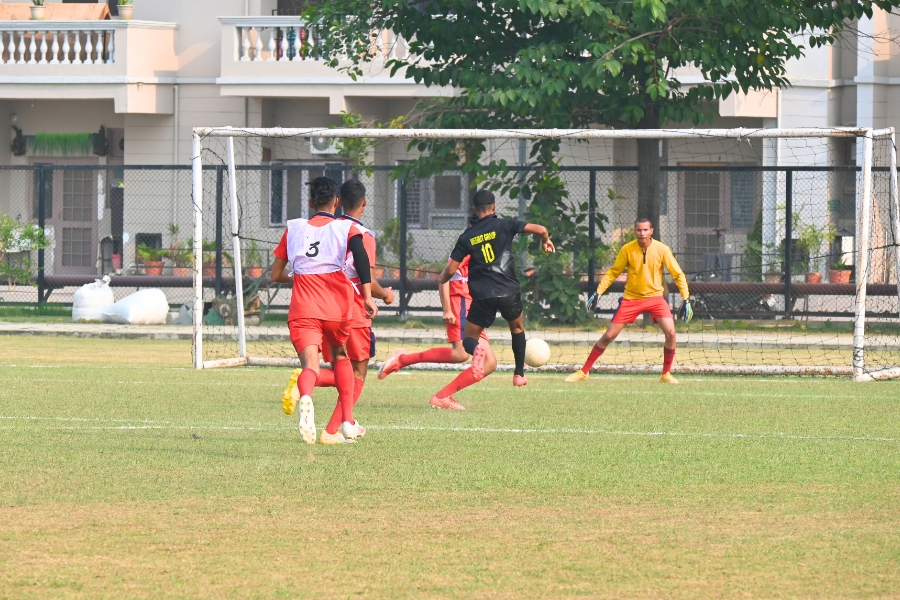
{"x":316,"y":251}
{"x":459,"y":283}
{"x":359,"y":308}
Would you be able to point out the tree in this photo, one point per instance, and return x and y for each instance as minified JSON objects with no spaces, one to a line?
{"x":578,"y":63}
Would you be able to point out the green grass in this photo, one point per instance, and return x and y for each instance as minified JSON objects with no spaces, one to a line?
{"x":125,"y":474}
{"x":32,"y":314}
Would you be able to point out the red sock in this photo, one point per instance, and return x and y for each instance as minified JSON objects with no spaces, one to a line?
{"x":343,"y":379}
{"x":306,"y":382}
{"x":592,"y":358}
{"x":668,"y":358}
{"x":358,"y":385}
{"x":462,"y":381}
{"x":326,"y":378}
{"x":435,"y":355}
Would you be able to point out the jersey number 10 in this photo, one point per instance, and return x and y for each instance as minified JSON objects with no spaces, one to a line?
{"x":488,"y":251}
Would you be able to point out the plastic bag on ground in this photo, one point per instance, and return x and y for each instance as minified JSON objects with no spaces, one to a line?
{"x":146,"y":307}
{"x":91,"y":300}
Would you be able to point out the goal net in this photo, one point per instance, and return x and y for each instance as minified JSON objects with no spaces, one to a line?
{"x":788,"y":239}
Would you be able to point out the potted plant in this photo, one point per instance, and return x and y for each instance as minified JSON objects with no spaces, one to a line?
{"x":253,"y":260}
{"x":152,"y":259}
{"x":37,"y":11}
{"x":839,"y":273}
{"x":17,"y":240}
{"x":810,"y":241}
{"x":125,"y":10}
{"x":180,"y":256}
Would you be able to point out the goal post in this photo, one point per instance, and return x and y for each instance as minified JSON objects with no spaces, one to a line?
{"x":710,"y":217}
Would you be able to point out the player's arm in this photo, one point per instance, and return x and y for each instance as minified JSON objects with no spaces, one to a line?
{"x":617,"y":269}
{"x":279,"y":273}
{"x":385,"y":294}
{"x":449,"y":271}
{"x":677,"y":274}
{"x":444,"y":292}
{"x":541,"y":231}
{"x":361,"y":260}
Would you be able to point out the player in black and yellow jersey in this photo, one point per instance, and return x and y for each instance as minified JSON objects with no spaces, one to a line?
{"x":492,"y":280}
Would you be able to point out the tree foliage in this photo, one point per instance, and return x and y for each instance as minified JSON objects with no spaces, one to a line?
{"x":17,"y":240}
{"x":572,"y":64}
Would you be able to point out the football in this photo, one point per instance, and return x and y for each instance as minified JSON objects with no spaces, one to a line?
{"x":537,"y":352}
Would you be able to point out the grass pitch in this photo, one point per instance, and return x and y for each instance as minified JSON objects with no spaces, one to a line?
{"x":125,"y":474}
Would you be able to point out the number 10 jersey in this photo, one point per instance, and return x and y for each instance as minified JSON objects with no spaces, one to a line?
{"x":492,"y":270}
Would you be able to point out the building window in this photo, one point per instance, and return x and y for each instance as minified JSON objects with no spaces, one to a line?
{"x":288,"y":192}
{"x":438,"y":202}
{"x":701,"y":199}
{"x":698,"y":245}
{"x":78,"y":196}
{"x":76,"y":247}
{"x":742,"y":194}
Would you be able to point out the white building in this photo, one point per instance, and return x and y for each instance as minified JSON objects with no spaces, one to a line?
{"x":180,"y":65}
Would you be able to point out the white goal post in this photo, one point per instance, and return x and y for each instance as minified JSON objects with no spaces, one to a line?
{"x":863,"y":234}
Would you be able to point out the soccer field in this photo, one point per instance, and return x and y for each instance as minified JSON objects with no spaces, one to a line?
{"x":126,"y":474}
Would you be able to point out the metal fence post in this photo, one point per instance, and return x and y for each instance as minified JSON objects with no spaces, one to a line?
{"x":220,"y":174}
{"x":42,"y":221}
{"x":404,"y":302}
{"x":788,"y":241}
{"x":592,"y":234}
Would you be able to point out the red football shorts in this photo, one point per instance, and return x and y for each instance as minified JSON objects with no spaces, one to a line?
{"x":459,"y":305}
{"x":361,"y":344}
{"x":629,"y":310}
{"x":313,"y":332}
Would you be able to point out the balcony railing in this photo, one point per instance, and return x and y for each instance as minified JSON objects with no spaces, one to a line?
{"x":290,"y":39}
{"x":58,"y":42}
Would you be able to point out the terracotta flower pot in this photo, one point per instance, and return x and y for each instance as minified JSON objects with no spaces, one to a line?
{"x":254,"y":272}
{"x":180,"y":271}
{"x":153,"y":268}
{"x":772,"y":277}
{"x":838,"y":276}
{"x":209,"y":268}
{"x":393,"y":273}
{"x":37,"y":13}
{"x":378,"y":272}
{"x":420,"y":274}
{"x":125,"y":11}
{"x":813,"y":278}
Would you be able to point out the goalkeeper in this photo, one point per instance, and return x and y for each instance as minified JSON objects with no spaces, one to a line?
{"x":644,"y":259}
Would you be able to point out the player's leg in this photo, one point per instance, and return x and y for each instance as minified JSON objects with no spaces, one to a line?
{"x":455,"y":354}
{"x":668,"y":326}
{"x":608,"y":337}
{"x":309,"y":361}
{"x":511,"y":310}
{"x":304,"y":333}
{"x":480,"y":317}
{"x":326,"y":376}
{"x":444,"y":398}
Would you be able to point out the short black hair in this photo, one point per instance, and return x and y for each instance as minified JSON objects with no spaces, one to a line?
{"x":483,"y":198}
{"x":353,"y":192}
{"x":322,"y":191}
{"x":644,"y":220}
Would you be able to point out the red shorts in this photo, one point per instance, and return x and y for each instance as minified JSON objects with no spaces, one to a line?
{"x":629,"y":310}
{"x":459,"y":305}
{"x":316,"y":332}
{"x":361,"y":344}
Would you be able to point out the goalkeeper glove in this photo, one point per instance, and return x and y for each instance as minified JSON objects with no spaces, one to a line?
{"x":591,"y":304}
{"x":687,"y":311}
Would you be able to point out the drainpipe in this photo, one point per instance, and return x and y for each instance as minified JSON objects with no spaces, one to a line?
{"x":175,"y":158}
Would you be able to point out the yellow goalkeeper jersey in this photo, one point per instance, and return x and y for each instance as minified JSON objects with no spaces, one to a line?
{"x":645,"y":271}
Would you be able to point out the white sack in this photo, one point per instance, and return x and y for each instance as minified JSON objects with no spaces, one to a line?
{"x":146,"y":307}
{"x":91,"y":300}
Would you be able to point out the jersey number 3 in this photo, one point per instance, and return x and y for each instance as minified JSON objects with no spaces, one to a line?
{"x":313,"y":250}
{"x":488,"y":251}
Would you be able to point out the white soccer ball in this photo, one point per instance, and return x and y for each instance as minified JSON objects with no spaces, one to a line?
{"x":537,"y":352}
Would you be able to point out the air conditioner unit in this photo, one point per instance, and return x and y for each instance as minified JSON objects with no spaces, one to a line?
{"x":322,"y":145}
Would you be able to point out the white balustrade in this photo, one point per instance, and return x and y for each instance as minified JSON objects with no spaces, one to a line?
{"x":24,"y":44}
{"x":288,"y":39}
